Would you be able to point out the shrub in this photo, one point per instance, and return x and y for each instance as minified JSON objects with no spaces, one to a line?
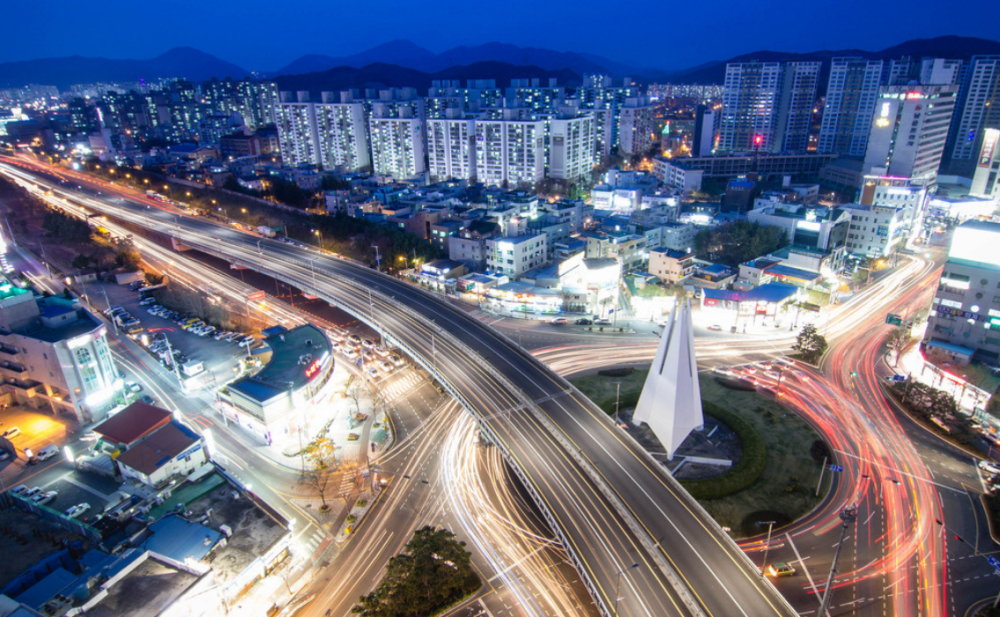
{"x":351,"y":518}
{"x":743,"y":473}
{"x":361,"y":503}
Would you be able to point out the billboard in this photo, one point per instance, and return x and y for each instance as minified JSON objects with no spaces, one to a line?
{"x":255,"y":296}
{"x":976,"y":244}
{"x":989,"y":145}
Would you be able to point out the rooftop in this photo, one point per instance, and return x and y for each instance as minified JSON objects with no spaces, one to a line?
{"x":292,"y":352}
{"x":769,"y":292}
{"x":147,"y":590}
{"x":131,"y":423}
{"x":159,"y":448}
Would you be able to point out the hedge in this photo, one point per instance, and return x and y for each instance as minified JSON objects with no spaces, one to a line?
{"x":741,"y":475}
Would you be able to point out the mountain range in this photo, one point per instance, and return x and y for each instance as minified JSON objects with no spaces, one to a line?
{"x":393,"y":62}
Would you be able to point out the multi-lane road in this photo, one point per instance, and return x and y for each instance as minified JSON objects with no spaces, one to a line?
{"x":612,"y":504}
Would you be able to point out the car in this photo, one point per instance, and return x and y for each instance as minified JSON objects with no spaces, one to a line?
{"x":3,"y":455}
{"x":583,"y":321}
{"x":749,"y":368}
{"x":77,"y":510}
{"x":47,"y":452}
{"x":989,"y":467}
{"x":386,"y":366}
{"x":218,"y":336}
{"x":763,"y":365}
{"x":247,"y":342}
{"x":43,"y":498}
{"x":368,"y":344}
{"x":372,"y":372}
{"x":19,"y":490}
{"x":602,"y":322}
{"x":31,"y":492}
{"x":12,"y":432}
{"x":147,"y":300}
{"x":715,"y":328}
{"x":113,"y":310}
{"x":207,"y":330}
{"x":232,"y":337}
{"x":559,"y":321}
{"x":398,"y":361}
{"x":780,"y":569}
{"x":196,"y":329}
{"x":354,"y":338}
{"x":133,"y":386}
{"x":350,"y":353}
{"x":145,"y":398}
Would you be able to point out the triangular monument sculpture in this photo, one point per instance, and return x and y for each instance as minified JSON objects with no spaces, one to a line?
{"x":670,"y":402}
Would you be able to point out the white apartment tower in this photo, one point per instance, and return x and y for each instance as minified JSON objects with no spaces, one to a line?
{"x":571,"y":146}
{"x":451,"y":146}
{"x":978,"y":109}
{"x":295,"y":118}
{"x":397,"y":138}
{"x":510,"y":148}
{"x":767,"y":106}
{"x":340,"y":131}
{"x":908,"y":132}
{"x":635,"y":127}
{"x":850,"y":103}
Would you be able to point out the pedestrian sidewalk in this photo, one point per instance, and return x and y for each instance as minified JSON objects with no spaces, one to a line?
{"x":913,"y":365}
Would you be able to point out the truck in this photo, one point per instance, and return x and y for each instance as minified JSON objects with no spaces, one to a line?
{"x":265,"y":231}
{"x":193,"y":367}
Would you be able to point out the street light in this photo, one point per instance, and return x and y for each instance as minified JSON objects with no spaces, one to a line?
{"x":378,"y":258}
{"x":319,"y":234}
{"x":848,"y":515}
{"x":618,"y":582}
{"x":767,"y":545}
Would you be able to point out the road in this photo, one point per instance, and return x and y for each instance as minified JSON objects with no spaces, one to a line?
{"x":585,"y":471}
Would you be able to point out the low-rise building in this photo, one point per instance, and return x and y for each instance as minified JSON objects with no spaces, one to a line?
{"x":671,"y":266}
{"x":515,"y":256}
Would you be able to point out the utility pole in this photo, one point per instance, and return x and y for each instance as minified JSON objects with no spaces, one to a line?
{"x":173,"y":362}
{"x":848,"y":515}
{"x":767,"y":545}
{"x":618,"y":582}
{"x":618,"y":398}
{"x":378,"y":258}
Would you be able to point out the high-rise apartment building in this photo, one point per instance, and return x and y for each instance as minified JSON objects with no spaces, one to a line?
{"x":451,"y":146}
{"x":908,"y":132}
{"x":510,"y":148}
{"x":571,"y":148}
{"x":296,"y":122}
{"x":635,"y":127}
{"x":767,"y":106}
{"x":340,"y":132}
{"x":397,"y":139}
{"x":600,"y":93}
{"x":977,"y":109}
{"x":850,"y":104}
{"x":532,"y":94}
{"x":984,"y":180}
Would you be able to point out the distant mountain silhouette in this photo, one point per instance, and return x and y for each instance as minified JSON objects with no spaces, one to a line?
{"x":406,"y":54}
{"x":381,"y":75}
{"x":953,"y":47}
{"x":63,"y":72}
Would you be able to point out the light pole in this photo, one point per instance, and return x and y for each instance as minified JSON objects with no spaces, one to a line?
{"x":312,"y":265}
{"x":378,"y":258}
{"x":319,"y":235}
{"x":618,"y":582}
{"x":260,"y":254}
{"x":848,"y":515}
{"x":767,"y":545}
{"x":618,"y":398}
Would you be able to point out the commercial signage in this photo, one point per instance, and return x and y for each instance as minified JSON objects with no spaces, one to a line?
{"x":253,"y":297}
{"x":944,"y":310}
{"x":989,"y":143}
{"x":711,"y":302}
{"x":313,"y":369}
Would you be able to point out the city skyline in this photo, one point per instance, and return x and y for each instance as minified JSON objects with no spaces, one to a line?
{"x":286,"y":36}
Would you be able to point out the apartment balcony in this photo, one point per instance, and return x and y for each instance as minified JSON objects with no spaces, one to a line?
{"x":8,"y":350}
{"x":13,"y":370}
{"x":25,"y":386}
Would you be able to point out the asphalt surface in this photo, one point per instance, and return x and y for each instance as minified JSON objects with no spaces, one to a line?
{"x":516,"y":395}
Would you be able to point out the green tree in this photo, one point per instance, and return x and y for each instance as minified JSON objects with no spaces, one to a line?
{"x":128,"y":259}
{"x":738,"y":242}
{"x":321,"y":454}
{"x":810,"y":344}
{"x":435,"y":571}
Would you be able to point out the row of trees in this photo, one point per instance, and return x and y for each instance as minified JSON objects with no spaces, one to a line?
{"x":738,"y":242}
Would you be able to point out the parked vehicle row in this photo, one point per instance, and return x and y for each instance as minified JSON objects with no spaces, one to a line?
{"x":377,"y":359}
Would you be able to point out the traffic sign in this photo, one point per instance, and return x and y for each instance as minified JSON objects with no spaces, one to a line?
{"x":837,"y":468}
{"x":894,"y":320}
{"x":253,"y":297}
{"x":994,"y":562}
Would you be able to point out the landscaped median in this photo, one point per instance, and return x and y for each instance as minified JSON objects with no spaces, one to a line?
{"x":775,"y":467}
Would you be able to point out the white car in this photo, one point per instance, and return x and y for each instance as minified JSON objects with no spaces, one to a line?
{"x":44,"y":498}
{"x":247,"y":342}
{"x":373,"y":372}
{"x":206,"y":331}
{"x":77,"y":510}
{"x":559,"y":321}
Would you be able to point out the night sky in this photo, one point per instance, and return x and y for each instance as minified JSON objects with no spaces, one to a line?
{"x":265,"y":35}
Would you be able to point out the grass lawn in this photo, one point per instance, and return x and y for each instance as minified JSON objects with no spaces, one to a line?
{"x":788,"y":484}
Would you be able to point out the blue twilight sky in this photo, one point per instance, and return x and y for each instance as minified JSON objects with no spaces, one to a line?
{"x":267,"y":34}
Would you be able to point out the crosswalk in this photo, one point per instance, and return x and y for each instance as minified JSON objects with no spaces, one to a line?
{"x":346,"y":485}
{"x":314,"y":540}
{"x":403,"y":385}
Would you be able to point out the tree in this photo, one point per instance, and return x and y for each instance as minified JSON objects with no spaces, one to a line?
{"x":738,"y":242}
{"x":153,"y":278}
{"x":321,"y":453}
{"x":897,"y":341}
{"x":434,"y":571}
{"x":810,"y":345}
{"x":128,"y":259}
{"x":357,"y":392}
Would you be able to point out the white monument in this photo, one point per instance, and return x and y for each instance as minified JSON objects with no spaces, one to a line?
{"x":670,"y":402}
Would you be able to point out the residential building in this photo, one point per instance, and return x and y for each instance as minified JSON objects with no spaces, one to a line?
{"x":510,"y":148}
{"x":671,"y":266}
{"x":635,"y":127}
{"x":536,"y":97}
{"x":728,"y":165}
{"x":908,"y":132}
{"x":599,"y":93}
{"x":977,"y":109}
{"x":819,"y":227}
{"x":515,"y":256}
{"x":965,"y":317}
{"x":851,"y":94}
{"x":984,"y":181}
{"x":397,"y":140}
{"x":295,"y":118}
{"x":340,"y":133}
{"x":451,"y":146}
{"x":705,"y":128}
{"x":55,"y":355}
{"x":767,"y":106}
{"x":675,"y":174}
{"x":571,"y":148}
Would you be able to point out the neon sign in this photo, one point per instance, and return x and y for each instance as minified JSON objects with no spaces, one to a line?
{"x":313,"y":369}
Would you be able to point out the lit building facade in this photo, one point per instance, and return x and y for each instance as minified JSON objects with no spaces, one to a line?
{"x":850,"y":104}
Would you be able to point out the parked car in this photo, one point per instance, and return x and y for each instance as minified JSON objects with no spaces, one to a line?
{"x":373,"y":372}
{"x":398,"y":361}
{"x":77,"y":510}
{"x":206,"y":331}
{"x":12,"y":432}
{"x":218,"y":336}
{"x":559,"y":321}
{"x":715,"y":328}
{"x":19,"y":490}
{"x":145,"y":398}
{"x":602,"y":322}
{"x":247,"y":342}
{"x":43,"y":498}
{"x":133,"y":386}
{"x":31,"y":492}
{"x":386,"y":366}
{"x":147,"y":300}
{"x":583,"y":321}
